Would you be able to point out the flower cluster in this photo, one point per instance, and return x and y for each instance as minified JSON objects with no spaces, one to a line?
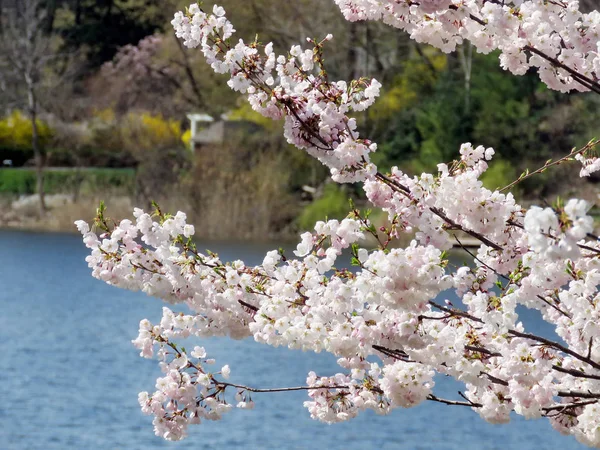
{"x":188,"y":393}
{"x":387,"y":307}
{"x":590,"y":164}
{"x":548,"y":234}
{"x":552,"y":36}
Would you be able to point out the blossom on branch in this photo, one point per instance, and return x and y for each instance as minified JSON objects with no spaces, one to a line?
{"x":552,"y":36}
{"x":544,"y":259}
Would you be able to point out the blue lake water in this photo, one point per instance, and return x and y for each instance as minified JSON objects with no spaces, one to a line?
{"x":69,"y":376}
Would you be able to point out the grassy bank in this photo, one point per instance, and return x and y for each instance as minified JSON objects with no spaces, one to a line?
{"x":72,"y":181}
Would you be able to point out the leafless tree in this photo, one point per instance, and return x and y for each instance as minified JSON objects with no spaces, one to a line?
{"x":26,"y":53}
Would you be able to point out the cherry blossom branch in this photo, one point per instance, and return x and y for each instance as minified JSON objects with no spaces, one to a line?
{"x":580,"y":78}
{"x":530,"y":336}
{"x":305,"y":302}
{"x":557,"y":346}
{"x":441,"y":214}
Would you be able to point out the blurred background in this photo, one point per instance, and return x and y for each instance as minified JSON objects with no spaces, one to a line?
{"x":99,"y":101}
{"x":124,"y":113}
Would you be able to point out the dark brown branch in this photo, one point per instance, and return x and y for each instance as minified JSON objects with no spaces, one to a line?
{"x":469,"y":403}
{"x":494,"y":379}
{"x":483,"y":350}
{"x":566,"y":406}
{"x":576,"y":373}
{"x":248,"y":305}
{"x":578,"y":394}
{"x":397,"y":354}
{"x":557,"y":346}
{"x":581,"y":79}
{"x":455,"y":312}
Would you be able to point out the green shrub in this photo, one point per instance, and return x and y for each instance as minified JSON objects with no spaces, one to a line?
{"x":17,"y":181}
{"x":67,"y":181}
{"x":500,"y":173}
{"x":332,"y":205}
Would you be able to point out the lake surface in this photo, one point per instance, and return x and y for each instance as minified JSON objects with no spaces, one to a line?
{"x":69,"y":376}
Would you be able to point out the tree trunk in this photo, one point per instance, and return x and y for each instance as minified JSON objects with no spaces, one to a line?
{"x":51,"y":15}
{"x":78,"y":12}
{"x":35,"y":143}
{"x":1,"y":21}
{"x":466,"y":61}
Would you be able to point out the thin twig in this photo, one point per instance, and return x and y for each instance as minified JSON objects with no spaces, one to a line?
{"x":549,"y":303}
{"x":479,"y":260}
{"x":469,"y":403}
{"x":285,"y":389}
{"x":590,"y":145}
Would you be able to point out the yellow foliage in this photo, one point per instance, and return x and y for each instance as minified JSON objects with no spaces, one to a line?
{"x":135,"y":132}
{"x":106,"y":115}
{"x":245,"y":112}
{"x":143,"y":131}
{"x":396,"y":99}
{"x":186,"y":138}
{"x":16,"y":131}
{"x":422,"y":71}
{"x":160,"y":129}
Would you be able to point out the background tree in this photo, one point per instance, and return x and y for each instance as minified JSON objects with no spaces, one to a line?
{"x":27,"y":53}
